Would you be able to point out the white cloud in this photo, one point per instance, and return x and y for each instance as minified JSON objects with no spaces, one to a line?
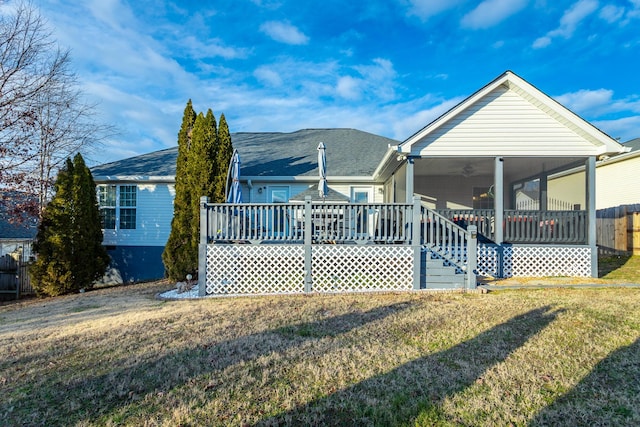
{"x":611,"y":13}
{"x":625,"y":128}
{"x":598,"y":102}
{"x":569,"y":22}
{"x":425,"y":9}
{"x":415,"y":116}
{"x":492,"y":12}
{"x":376,"y":81}
{"x":541,"y":42}
{"x":268,"y":4}
{"x":211,"y":48}
{"x":284,"y":32}
{"x":584,"y":100}
{"x":349,"y":87}
{"x":114,"y":13}
{"x":268,"y":76}
{"x":574,"y":16}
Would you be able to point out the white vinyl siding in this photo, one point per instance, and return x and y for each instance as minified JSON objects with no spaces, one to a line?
{"x":504,"y":123}
{"x":571,"y":189}
{"x":153,"y":215}
{"x":259,"y":193}
{"x":617,"y":183}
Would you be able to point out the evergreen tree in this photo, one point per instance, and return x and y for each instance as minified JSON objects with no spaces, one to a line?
{"x":224,"y":153}
{"x":69,"y":240}
{"x":178,"y":257}
{"x":204,"y":152}
{"x":202,"y":168}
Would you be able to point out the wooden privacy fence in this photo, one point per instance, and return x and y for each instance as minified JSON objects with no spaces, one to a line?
{"x":14,"y":275}
{"x":618,"y":229}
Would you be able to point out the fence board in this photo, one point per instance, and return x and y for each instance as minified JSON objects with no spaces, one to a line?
{"x":618,"y":229}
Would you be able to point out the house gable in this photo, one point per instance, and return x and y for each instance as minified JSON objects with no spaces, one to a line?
{"x":509,"y":117}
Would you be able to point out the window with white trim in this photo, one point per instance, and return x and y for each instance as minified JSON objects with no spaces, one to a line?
{"x":117,"y":205}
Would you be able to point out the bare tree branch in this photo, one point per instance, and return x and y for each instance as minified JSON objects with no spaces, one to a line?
{"x":43,"y":116}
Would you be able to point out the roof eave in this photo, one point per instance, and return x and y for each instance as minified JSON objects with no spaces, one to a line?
{"x":134,"y":178}
{"x":380,"y":172}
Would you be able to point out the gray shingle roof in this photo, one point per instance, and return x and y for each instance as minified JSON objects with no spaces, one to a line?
{"x":634,"y":144}
{"x":350,"y":152}
{"x":27,"y":228}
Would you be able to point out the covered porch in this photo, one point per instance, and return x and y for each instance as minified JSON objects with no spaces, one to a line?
{"x":506,"y":198}
{"x":488,"y":160}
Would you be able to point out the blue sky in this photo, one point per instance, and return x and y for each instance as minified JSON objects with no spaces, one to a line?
{"x":386,"y":67}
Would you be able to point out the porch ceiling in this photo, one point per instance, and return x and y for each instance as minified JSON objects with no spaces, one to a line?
{"x":514,"y":167}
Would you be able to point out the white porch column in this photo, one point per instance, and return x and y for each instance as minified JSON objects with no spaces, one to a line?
{"x":498,"y":201}
{"x":544,"y":192}
{"x":409,"y":180}
{"x":590,"y":197}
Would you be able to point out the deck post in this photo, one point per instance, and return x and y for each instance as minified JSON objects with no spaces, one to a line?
{"x":416,"y":243}
{"x":308,"y":279}
{"x":472,"y":256}
{"x":409,"y":180}
{"x":202,"y":247}
{"x":590,"y":175}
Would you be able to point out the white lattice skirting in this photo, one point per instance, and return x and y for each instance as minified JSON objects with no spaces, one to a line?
{"x":253,"y":269}
{"x":277,"y":269}
{"x":535,"y":261}
{"x":339,"y":268}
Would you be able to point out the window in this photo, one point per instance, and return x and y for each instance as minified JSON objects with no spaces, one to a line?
{"x":128,"y":207}
{"x":278,"y":194}
{"x":107,"y":204}
{"x":117,"y":205}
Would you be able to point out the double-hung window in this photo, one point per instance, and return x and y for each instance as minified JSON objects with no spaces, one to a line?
{"x":117,"y":205}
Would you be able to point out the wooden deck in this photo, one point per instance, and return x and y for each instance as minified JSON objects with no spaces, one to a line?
{"x":305,"y":247}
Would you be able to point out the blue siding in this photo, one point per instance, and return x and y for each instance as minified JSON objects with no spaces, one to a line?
{"x":137,"y":263}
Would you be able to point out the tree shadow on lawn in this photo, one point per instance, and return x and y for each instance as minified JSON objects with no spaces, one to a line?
{"x":416,"y":390}
{"x":59,"y":401}
{"x":609,"y":395}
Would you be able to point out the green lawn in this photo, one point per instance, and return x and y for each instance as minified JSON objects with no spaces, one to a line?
{"x":120,"y":357}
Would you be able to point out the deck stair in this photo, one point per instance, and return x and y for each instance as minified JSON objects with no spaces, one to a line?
{"x":438,"y":273}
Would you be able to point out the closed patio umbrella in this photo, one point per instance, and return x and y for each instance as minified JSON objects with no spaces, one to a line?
{"x":234,"y":193}
{"x":323,"y":188}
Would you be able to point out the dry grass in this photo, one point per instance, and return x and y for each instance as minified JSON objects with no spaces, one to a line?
{"x":121,"y":357}
{"x":612,"y":270}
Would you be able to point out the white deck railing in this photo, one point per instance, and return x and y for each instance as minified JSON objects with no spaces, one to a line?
{"x":547,"y":227}
{"x":356,"y":222}
{"x":444,"y":237}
